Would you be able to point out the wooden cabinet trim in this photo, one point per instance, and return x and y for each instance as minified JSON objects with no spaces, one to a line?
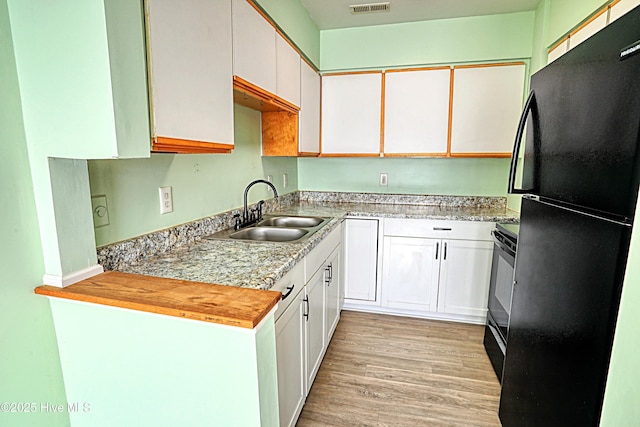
{"x":596,"y":15}
{"x":416,"y":154}
{"x":160,"y":144}
{"x":266,"y":101}
{"x":402,"y":70}
{"x":382,"y":103}
{"x":450,"y":124}
{"x":493,"y":64}
{"x":481,"y":154}
{"x":349,"y":155}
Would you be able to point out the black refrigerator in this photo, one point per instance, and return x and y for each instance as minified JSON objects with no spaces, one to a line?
{"x":580,"y":174}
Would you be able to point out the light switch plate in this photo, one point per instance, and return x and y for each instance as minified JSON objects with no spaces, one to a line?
{"x":384,"y":179}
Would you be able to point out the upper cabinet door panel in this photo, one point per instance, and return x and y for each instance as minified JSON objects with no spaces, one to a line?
{"x":254,"y":47}
{"x":309,"y":116}
{"x":191,"y":64}
{"x":622,"y":7}
{"x":487,"y":102}
{"x":558,"y":51}
{"x":417,"y":111}
{"x":351,"y":108}
{"x":588,"y":30}
{"x":287,"y":71}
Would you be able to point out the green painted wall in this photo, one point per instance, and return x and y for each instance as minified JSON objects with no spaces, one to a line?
{"x":137,"y":369}
{"x":296,"y":23}
{"x":82,"y":80}
{"x":484,"y":38}
{"x":622,"y":395}
{"x":469,"y":177}
{"x":29,"y":363}
{"x":564,"y":15}
{"x":203,"y":184}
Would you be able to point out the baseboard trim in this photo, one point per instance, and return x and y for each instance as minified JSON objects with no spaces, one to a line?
{"x":71,"y":278}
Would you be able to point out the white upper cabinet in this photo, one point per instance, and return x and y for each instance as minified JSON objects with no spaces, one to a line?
{"x":487,"y":102}
{"x":588,"y":30}
{"x":190,"y":60}
{"x":416,"y":118}
{"x":351,"y":110}
{"x":309,"y":116}
{"x":287,"y":71}
{"x":622,"y":7}
{"x":254,"y":47}
{"x":558,"y":50}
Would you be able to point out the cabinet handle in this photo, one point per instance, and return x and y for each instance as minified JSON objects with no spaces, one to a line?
{"x":289,"y":290}
{"x":306,"y":300}
{"x":444,"y":257}
{"x":437,"y":249}
{"x":441,"y":229}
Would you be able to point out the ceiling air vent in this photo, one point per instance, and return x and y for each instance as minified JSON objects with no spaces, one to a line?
{"x":357,"y":9}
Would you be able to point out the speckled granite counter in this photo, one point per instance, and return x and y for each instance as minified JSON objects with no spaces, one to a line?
{"x":260,"y":265}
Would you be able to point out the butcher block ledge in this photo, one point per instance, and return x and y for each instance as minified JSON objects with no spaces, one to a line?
{"x":225,"y":305}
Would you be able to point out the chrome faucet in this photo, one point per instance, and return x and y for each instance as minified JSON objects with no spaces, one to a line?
{"x":256,"y":214}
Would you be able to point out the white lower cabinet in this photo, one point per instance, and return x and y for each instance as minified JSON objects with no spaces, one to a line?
{"x":465,"y":270}
{"x":429,"y":268}
{"x":361,"y":260}
{"x":333,"y":286}
{"x":290,"y":350}
{"x":433,"y":267}
{"x":314,"y":325}
{"x":410,"y":273}
{"x":305,"y":321}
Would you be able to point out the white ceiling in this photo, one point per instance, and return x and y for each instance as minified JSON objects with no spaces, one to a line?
{"x":331,"y":14}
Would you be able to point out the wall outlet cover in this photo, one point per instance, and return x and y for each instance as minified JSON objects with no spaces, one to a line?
{"x":100,"y":211}
{"x":166,"y":200}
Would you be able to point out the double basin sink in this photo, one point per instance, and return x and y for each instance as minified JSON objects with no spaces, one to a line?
{"x":277,"y":228}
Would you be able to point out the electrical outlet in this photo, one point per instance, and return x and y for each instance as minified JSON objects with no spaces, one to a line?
{"x":166,"y":200}
{"x":100,"y":211}
{"x":270,"y":179}
{"x":285,"y":180}
{"x":384,"y":179}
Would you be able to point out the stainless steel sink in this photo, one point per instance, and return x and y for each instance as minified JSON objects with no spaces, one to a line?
{"x":291,"y":221}
{"x":269,"y":234}
{"x":276,"y":228}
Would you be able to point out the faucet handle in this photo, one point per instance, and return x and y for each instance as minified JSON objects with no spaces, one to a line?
{"x":238,"y":222}
{"x":259,"y":209}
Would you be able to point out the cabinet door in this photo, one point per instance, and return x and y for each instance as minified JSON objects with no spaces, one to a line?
{"x":410,"y":273}
{"x":487,"y":102}
{"x":287,"y":71}
{"x":558,"y":51}
{"x":309,"y":116}
{"x":465,"y":272}
{"x":290,"y":352}
{"x":190,"y":58}
{"x":351,"y":109}
{"x":332,"y":283}
{"x":360,"y":259}
{"x":254,"y":47}
{"x":588,"y":30}
{"x":622,"y":7}
{"x":416,"y":117}
{"x":314,"y":325}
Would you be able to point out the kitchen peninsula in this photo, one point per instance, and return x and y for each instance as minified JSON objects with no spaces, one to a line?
{"x":129,"y":333}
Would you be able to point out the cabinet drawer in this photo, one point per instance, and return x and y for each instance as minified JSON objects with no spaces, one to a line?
{"x":438,"y":229}
{"x":295,"y":278}
{"x":315,"y":259}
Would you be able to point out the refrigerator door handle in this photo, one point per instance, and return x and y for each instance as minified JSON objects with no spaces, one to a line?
{"x":529,"y":106}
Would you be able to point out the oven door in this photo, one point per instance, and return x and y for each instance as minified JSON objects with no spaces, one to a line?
{"x":501,"y":285}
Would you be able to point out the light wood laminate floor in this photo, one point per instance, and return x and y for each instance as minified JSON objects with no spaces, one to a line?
{"x":383,"y":370}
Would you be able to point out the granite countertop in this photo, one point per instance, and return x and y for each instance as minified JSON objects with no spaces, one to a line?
{"x":260,"y":265}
